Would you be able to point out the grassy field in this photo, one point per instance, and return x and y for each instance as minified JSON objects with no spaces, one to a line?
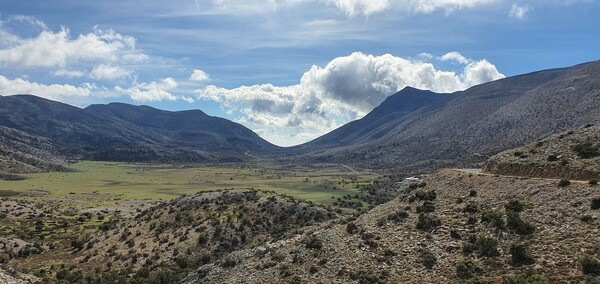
{"x":102,"y":183}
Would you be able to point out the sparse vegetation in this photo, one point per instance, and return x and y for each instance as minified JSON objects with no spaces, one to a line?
{"x":595,"y":204}
{"x":428,"y":222}
{"x":466,"y":269}
{"x":564,"y":182}
{"x":519,"y":255}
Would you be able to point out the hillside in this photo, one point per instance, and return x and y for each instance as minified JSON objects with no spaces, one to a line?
{"x":477,"y":123}
{"x":459,"y":228}
{"x":569,"y":155}
{"x":378,"y":122}
{"x":24,"y":153}
{"x":119,"y":132}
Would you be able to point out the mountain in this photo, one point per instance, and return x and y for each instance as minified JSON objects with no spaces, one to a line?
{"x":380,"y":121}
{"x":474,"y":124}
{"x":123,"y":132}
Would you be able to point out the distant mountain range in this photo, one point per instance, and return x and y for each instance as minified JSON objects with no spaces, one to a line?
{"x":413,"y":130}
{"x":420,"y":131}
{"x":121,"y":132}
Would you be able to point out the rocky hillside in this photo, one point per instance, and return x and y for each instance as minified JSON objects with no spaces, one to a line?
{"x":24,"y":153}
{"x":459,"y":228}
{"x":169,"y":240}
{"x":472,"y":125}
{"x":570,"y":155}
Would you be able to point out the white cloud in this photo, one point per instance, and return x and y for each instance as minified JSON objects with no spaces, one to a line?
{"x":199,"y":76}
{"x":68,"y":73}
{"x":151,"y":92}
{"x":188,"y":99}
{"x":350,"y":7}
{"x":455,"y":56}
{"x":54,"y":91}
{"x":345,"y":89}
{"x":59,"y":49}
{"x":518,"y":12}
{"x":109,"y":72}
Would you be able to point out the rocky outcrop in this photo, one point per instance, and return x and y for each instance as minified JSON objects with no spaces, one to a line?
{"x":570,"y":155}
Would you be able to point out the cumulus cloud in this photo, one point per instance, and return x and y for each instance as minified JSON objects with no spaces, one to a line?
{"x":455,"y":56}
{"x":188,"y":99}
{"x":53,"y":92}
{"x":109,"y":72}
{"x":518,"y":12}
{"x":345,"y":89}
{"x":151,"y":92}
{"x":59,"y":49}
{"x":199,"y":76}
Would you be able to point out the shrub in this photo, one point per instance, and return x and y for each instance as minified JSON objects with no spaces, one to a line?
{"x":515,"y":223}
{"x":427,"y":207}
{"x":313,"y":243}
{"x":429,"y":195}
{"x":398,"y":216}
{"x":552,"y":158}
{"x":487,"y":247}
{"x":466,"y":269}
{"x":428,"y":258}
{"x":493,"y":217}
{"x":455,"y":234}
{"x":351,"y":228}
{"x":593,"y":182}
{"x":590,"y":265}
{"x":472,"y":193}
{"x":519,"y":255}
{"x":514,"y":205}
{"x":525,"y":279}
{"x":586,"y":150}
{"x":564,"y":182}
{"x":428,"y":222}
{"x":471,"y":207}
{"x":595,"y":203}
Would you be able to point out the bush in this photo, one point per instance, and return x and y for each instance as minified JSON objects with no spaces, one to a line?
{"x":593,"y":182}
{"x":428,"y":258}
{"x":471,"y":207}
{"x":590,"y":265}
{"x":472,"y":193}
{"x":466,"y":269}
{"x":351,"y":228}
{"x":427,"y":207}
{"x":487,"y":247}
{"x":519,"y":255}
{"x":428,"y":222}
{"x":515,"y":223}
{"x":398,"y":217}
{"x":552,"y":158}
{"x":564,"y":182}
{"x":586,"y":150}
{"x":429,"y":195}
{"x":493,"y":217}
{"x":595,"y":203}
{"x":525,"y":279}
{"x":514,"y":206}
{"x":313,"y":243}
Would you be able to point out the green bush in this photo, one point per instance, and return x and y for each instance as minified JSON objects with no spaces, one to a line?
{"x":519,"y":255}
{"x":487,"y":247}
{"x":593,"y":182}
{"x":586,"y":150}
{"x":564,"y":182}
{"x":516,"y":224}
{"x":514,"y":205}
{"x":493,"y":217}
{"x":466,"y":269}
{"x":471,"y":207}
{"x":429,"y":195}
{"x":427,"y":207}
{"x":595,"y":203}
{"x":428,"y":222}
{"x":313,"y":243}
{"x":428,"y":258}
{"x":351,"y":228}
{"x":590,"y":265}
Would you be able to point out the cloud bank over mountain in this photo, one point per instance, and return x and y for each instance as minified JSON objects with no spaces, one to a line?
{"x":345,"y":89}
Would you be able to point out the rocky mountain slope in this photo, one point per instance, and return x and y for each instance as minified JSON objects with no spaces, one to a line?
{"x":569,"y":155}
{"x":119,"y":132}
{"x":24,"y":153}
{"x":459,"y":228}
{"x":477,"y":123}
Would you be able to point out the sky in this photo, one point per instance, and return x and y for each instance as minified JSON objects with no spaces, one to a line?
{"x":290,"y":70}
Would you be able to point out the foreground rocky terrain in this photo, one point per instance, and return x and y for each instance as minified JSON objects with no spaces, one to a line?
{"x":460,"y":227}
{"x":571,"y":155}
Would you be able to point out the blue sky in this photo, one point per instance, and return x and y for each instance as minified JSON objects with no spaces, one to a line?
{"x":290,"y":70}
